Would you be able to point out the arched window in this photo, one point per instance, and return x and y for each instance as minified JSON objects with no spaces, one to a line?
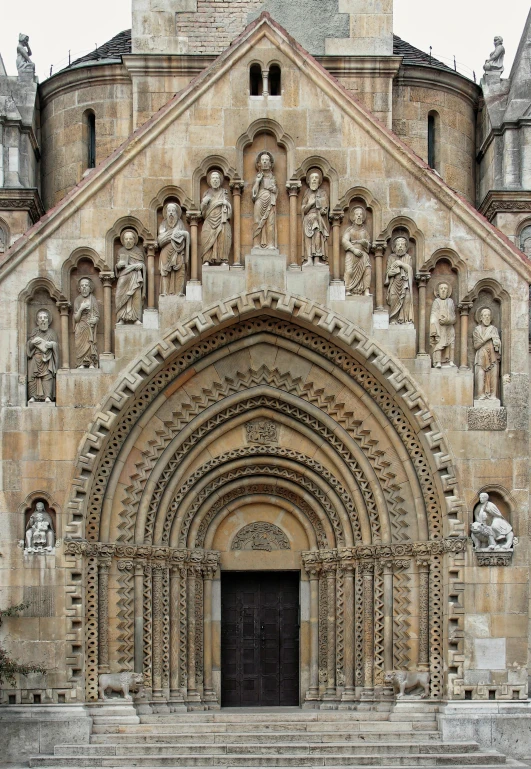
{"x":255,"y":80}
{"x":89,"y":138}
{"x":433,"y":140}
{"x":275,"y":85}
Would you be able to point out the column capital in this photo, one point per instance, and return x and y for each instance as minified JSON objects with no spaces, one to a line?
{"x":104,"y":565}
{"x":63,"y":306}
{"x":107,"y":278}
{"x":422,"y":278}
{"x":193,"y":218}
{"x":366,"y":568}
{"x":423,"y":564}
{"x":237,"y":186}
{"x":336,"y":217}
{"x":387,"y":565}
{"x":293,"y":187}
{"x":151,"y":246}
{"x":464,"y":307}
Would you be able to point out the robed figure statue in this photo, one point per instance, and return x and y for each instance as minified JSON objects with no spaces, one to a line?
{"x":131,"y":285}
{"x":42,"y":351}
{"x":315,"y":206}
{"x":174,"y":244}
{"x":399,"y":282}
{"x":85,"y":318}
{"x":216,"y":210}
{"x":264,"y":194}
{"x":487,"y":344}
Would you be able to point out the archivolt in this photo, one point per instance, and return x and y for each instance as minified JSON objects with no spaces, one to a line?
{"x":305,"y":324}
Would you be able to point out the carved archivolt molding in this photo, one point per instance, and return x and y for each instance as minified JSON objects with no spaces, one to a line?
{"x":260,"y":536}
{"x":399,"y":398}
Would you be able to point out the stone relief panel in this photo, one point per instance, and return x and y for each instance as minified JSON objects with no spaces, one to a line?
{"x":491,"y":531}
{"x":399,"y":279}
{"x":216,"y":232}
{"x":42,"y":352}
{"x":174,"y":245}
{"x":130,"y":269}
{"x":262,"y":432}
{"x":356,"y":243}
{"x":315,"y":207}
{"x":260,"y":536}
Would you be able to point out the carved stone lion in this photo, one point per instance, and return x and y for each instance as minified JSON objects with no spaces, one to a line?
{"x":404,"y":680}
{"x":120,"y":682}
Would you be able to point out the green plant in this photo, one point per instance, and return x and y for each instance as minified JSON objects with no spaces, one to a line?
{"x":9,"y":667}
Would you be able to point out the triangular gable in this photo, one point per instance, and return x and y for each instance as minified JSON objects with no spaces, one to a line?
{"x":264,"y":26}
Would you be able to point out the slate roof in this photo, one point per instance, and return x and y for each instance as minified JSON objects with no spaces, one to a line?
{"x":120,"y":45}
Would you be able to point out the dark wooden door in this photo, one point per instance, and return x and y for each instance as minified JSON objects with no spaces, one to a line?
{"x":259,"y":639}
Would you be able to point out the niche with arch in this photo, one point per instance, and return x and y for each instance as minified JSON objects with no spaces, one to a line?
{"x":28,"y":507}
{"x":166,"y":285}
{"x":83,"y":266}
{"x":489,"y":293}
{"x":41,"y":294}
{"x":4,"y":237}
{"x":223,"y":241}
{"x":443,"y":271}
{"x":357,"y":200}
{"x":396,"y":314}
{"x":256,"y":84}
{"x":275,"y":80}
{"x":503,"y":501}
{"x":113,"y":246}
{"x":523,"y":239}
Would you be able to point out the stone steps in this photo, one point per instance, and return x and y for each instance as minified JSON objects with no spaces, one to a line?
{"x":134,"y":738}
{"x":173,"y":727}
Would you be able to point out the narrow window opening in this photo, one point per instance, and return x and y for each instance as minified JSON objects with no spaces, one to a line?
{"x":275,"y":86}
{"x":256,"y":82}
{"x":91,"y":140}
{"x":433,"y":140}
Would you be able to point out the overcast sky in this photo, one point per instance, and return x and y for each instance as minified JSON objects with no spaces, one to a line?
{"x":464,"y":28}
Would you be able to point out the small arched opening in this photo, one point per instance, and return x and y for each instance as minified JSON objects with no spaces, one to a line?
{"x":256,"y":87}
{"x":433,"y":140}
{"x":89,"y":138}
{"x":275,"y":80}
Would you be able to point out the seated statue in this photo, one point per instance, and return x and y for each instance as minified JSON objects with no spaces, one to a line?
{"x":40,"y":536}
{"x":495,"y":61}
{"x":490,"y":531}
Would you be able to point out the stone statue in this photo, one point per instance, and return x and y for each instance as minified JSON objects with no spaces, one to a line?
{"x":40,"y":536}
{"x":357,"y":243}
{"x":264,"y":194}
{"x":85,"y":319}
{"x":315,"y":231}
{"x":24,"y":63}
{"x":2,"y":241}
{"x":216,"y":210}
{"x":490,"y":531}
{"x":120,"y":682}
{"x":174,"y":243}
{"x":399,"y":280}
{"x":487,"y":344}
{"x":442,"y":327}
{"x":495,"y":61}
{"x":42,"y":350}
{"x":131,"y":285}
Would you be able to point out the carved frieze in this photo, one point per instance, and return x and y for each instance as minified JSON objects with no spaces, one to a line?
{"x":260,"y":536}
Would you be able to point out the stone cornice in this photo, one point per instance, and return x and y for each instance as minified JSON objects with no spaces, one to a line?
{"x":440,"y":80}
{"x":152,"y":65}
{"x":169,"y":556}
{"x":347,"y":66}
{"x":505,"y":201}
{"x":84,"y":77}
{"x":22,"y":199}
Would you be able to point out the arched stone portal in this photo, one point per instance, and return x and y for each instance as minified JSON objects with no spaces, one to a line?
{"x":265,"y":420}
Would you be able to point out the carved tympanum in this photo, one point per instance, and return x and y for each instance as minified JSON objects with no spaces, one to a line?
{"x":264,"y":194}
{"x":260,"y":536}
{"x":40,"y":535}
{"x":216,"y":210}
{"x":315,"y":205}
{"x":399,"y":282}
{"x":262,"y":431}
{"x":42,"y":351}
{"x":357,"y":242}
{"x":85,"y":318}
{"x":174,"y":243}
{"x":442,"y":327}
{"x":490,"y":531}
{"x":131,"y":285}
{"x":487,"y":344}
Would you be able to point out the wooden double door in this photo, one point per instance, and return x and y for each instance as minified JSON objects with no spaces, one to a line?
{"x":259,"y":639}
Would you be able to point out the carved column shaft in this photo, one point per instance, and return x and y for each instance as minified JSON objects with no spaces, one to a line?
{"x":139,"y":617}
{"x":348,"y":588}
{"x":293,"y":186}
{"x":193,"y":218}
{"x":237,"y":188}
{"x":379,"y":280}
{"x":422,"y":280}
{"x":464,"y":309}
{"x":367,"y":574}
{"x":337,"y":218}
{"x":103,"y":614}
{"x":424,"y":614}
{"x":265,"y":82}
{"x":388,"y":614}
{"x":106,"y":279}
{"x":157,"y":631}
{"x":150,"y":276}
{"x":193,"y":576}
{"x":313,"y":691}
{"x":331,"y":632}
{"x":64,"y":307}
{"x":208,"y":690}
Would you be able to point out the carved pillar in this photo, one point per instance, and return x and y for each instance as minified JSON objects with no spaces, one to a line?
{"x":209,"y":572}
{"x":367,"y":575}
{"x":293,"y":187}
{"x":193,"y":219}
{"x":237,"y":186}
{"x":379,"y":250}
{"x":348,"y":588}
{"x":147,"y":629}
{"x":337,"y":218}
{"x":107,"y":279}
{"x":464,"y":309}
{"x":151,"y":275}
{"x":313,"y":568}
{"x":157,"y":630}
{"x":424,"y":613}
{"x":177,"y":574}
{"x":388,"y":614}
{"x":104,"y":565}
{"x":139,"y":617}
{"x":194,"y":573}
{"x":64,"y":308}
{"x":265,"y":82}
{"x":422,"y":281}
{"x":330,"y":573}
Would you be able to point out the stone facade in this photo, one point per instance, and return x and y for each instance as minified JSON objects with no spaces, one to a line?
{"x":265,"y":420}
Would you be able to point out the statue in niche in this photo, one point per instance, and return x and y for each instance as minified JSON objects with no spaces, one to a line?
{"x":2,"y":241}
{"x":399,"y":282}
{"x":526,"y":247}
{"x":24,"y":63}
{"x":264,"y":195}
{"x":131,"y":285}
{"x":40,"y":536}
{"x":490,"y":530}
{"x":42,"y":350}
{"x":357,"y":243}
{"x":174,"y":244}
{"x":487,"y":344}
{"x":216,"y":210}
{"x":495,"y":61}
{"x":442,"y":327}
{"x":315,"y":206}
{"x":85,"y":319}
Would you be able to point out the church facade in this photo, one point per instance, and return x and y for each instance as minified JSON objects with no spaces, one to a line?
{"x":265,"y":373}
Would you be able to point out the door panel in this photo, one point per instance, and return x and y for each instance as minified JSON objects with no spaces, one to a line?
{"x":259,"y":638}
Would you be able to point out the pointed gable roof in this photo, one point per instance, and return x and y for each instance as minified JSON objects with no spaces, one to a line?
{"x":264,"y":25}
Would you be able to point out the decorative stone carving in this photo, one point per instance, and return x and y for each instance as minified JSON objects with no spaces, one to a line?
{"x":85,"y":318}
{"x":442,"y":326}
{"x":487,"y":345}
{"x":490,"y":531}
{"x":216,"y":210}
{"x":315,"y":231}
{"x":131,"y":285}
{"x":42,"y":351}
{"x":495,"y":558}
{"x":357,"y":243}
{"x":495,"y":61}
{"x":262,"y":431}
{"x":40,"y":536}
{"x":264,"y":195}
{"x":403,"y":681}
{"x":525,"y":241}
{"x":487,"y":419}
{"x":399,"y":282}
{"x":174,"y":243}
{"x":24,"y":63}
{"x":260,"y":536}
{"x":3,"y":239}
{"x":120,"y":682}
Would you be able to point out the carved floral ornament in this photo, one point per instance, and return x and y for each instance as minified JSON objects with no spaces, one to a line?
{"x":260,"y":536}
{"x":262,"y":431}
